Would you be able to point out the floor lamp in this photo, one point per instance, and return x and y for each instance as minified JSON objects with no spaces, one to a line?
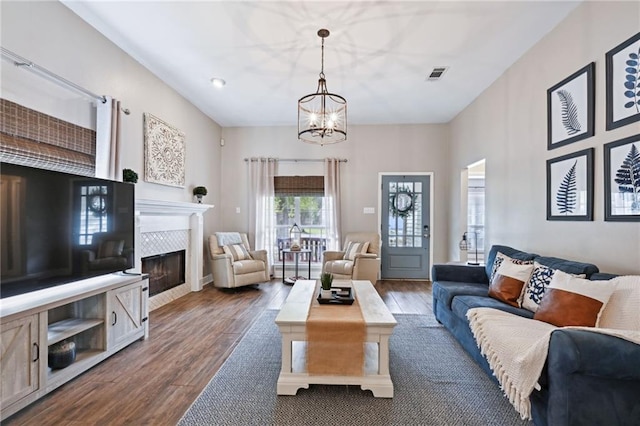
{"x":464,"y":245}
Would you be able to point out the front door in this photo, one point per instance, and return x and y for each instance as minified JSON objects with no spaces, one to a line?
{"x":406,"y":233}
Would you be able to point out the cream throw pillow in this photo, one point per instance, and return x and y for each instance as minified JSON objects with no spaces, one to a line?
{"x":355,"y":248}
{"x":237,"y":251}
{"x":622,"y":311}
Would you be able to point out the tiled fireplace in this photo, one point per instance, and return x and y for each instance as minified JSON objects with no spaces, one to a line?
{"x":165,"y":227}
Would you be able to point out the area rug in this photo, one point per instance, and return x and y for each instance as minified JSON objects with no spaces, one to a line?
{"x":435,"y":383}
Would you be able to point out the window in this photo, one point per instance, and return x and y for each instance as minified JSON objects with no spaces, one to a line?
{"x":300,"y":200}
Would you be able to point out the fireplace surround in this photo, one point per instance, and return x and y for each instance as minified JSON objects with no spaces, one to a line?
{"x":168,"y":226}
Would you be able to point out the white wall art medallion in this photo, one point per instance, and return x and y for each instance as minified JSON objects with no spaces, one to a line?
{"x":164,"y":152}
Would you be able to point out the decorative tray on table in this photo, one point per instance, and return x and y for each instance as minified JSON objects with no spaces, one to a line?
{"x":339,"y":296}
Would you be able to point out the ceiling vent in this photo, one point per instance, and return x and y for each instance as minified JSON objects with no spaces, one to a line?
{"x":437,"y":73}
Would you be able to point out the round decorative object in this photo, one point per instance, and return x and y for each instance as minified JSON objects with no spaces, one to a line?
{"x":96,"y":203}
{"x":402,"y":203}
{"x":61,"y":355}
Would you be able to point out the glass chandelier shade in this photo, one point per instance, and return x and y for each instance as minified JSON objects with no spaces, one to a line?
{"x":322,"y":116}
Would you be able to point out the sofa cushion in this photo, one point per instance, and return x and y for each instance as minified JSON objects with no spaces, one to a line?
{"x":339,"y":267}
{"x":509,"y":251}
{"x":445,"y":291}
{"x":461,"y":304}
{"x":247,"y":266}
{"x":572,"y":301}
{"x":568,"y":266}
{"x":509,"y":279}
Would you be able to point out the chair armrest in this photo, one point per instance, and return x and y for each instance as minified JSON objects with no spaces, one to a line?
{"x":592,"y":378}
{"x":366,"y":268}
{"x":259,"y":255}
{"x":223,"y":256}
{"x":366,"y":256}
{"x":332,"y":255}
{"x":459,"y":273}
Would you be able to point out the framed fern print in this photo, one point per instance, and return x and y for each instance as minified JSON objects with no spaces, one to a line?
{"x":570,"y":108}
{"x":622,"y":180}
{"x":623,"y":83}
{"x":570,"y":186}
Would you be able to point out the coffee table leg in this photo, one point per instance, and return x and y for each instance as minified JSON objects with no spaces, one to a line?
{"x":383,"y":355}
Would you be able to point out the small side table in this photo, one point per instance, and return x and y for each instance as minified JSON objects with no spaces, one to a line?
{"x":296,"y":254}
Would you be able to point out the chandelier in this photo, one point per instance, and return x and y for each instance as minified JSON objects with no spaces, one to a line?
{"x":322,"y":116}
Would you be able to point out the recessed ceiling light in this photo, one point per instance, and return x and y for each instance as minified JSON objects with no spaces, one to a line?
{"x":218,"y":82}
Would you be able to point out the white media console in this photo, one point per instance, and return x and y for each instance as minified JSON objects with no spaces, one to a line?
{"x":101,"y":315}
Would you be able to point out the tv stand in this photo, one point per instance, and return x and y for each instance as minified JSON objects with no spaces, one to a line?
{"x":101,"y":315}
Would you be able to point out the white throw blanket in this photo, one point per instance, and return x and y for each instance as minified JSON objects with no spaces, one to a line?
{"x":228,"y":238}
{"x":516,"y":349}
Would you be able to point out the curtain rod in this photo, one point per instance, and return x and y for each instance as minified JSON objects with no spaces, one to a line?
{"x":297,"y":160}
{"x":21,"y":62}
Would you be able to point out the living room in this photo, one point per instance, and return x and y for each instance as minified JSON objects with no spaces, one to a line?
{"x":506,"y":125}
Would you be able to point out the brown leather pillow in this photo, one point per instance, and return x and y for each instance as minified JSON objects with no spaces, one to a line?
{"x":572,"y":301}
{"x":509,"y":280}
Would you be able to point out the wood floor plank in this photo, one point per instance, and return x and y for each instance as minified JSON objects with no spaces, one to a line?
{"x":153,"y":382}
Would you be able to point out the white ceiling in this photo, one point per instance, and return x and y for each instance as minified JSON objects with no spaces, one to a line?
{"x":377,"y":56}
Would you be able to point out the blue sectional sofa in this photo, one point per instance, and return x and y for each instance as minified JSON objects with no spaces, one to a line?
{"x":589,"y":378}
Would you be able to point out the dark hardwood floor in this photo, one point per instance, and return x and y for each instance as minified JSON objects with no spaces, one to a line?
{"x":153,"y":382}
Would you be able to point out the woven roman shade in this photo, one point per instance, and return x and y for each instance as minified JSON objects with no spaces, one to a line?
{"x":299,"y":186}
{"x":31,"y":138}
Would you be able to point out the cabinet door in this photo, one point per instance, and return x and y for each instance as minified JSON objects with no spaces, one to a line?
{"x":19,"y":359}
{"x":126,"y":313}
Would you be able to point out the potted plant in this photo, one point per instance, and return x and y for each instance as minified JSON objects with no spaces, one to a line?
{"x":199,"y":192}
{"x":325,"y":281}
{"x":129,"y":175}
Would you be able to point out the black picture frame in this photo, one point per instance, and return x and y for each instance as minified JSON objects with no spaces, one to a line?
{"x":621,"y":165}
{"x":571,"y":108}
{"x":622,"y":66}
{"x":570,"y":186}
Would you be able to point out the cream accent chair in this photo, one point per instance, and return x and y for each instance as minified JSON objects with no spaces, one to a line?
{"x":366,"y":266}
{"x":230,"y":274}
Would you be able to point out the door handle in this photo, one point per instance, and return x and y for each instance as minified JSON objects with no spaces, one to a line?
{"x":426,"y":233}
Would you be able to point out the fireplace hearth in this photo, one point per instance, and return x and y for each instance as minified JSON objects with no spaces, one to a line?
{"x":166,"y":271}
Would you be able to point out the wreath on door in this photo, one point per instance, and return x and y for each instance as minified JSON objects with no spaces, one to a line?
{"x":402,"y":203}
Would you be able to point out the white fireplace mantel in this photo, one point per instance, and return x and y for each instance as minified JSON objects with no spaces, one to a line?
{"x":159,"y":216}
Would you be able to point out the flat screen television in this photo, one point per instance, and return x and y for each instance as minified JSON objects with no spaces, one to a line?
{"x":58,"y":228}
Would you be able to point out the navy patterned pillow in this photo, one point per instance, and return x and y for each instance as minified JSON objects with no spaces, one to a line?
{"x":537,"y":285}
{"x":534,"y":289}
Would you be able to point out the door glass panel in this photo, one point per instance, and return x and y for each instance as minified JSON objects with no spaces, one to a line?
{"x":405,"y":227}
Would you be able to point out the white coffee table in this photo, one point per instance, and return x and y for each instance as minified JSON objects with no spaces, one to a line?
{"x":292,"y":324}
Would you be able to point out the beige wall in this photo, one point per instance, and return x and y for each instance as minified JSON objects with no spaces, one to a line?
{"x":52,"y":36}
{"x":369,"y":151}
{"x":507,"y":125}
